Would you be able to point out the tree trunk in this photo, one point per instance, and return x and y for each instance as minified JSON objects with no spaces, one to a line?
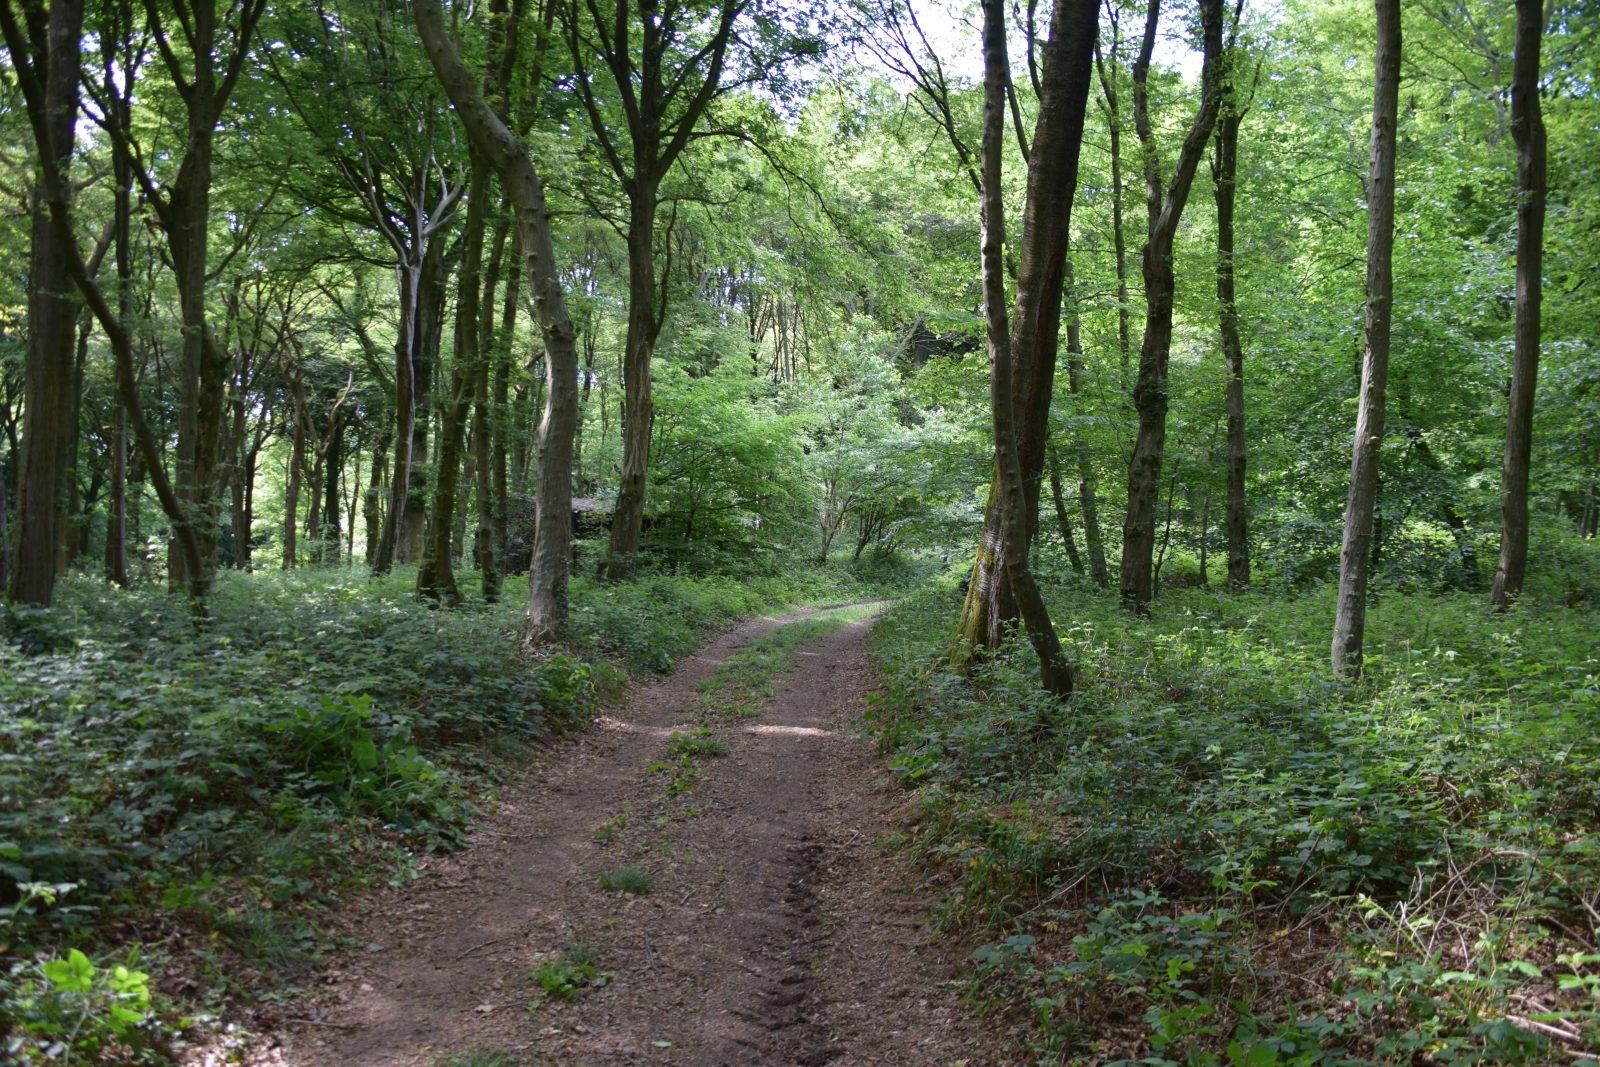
{"x":1088,"y":497}
{"x":333,"y":466}
{"x":431,"y":295}
{"x":484,"y":429}
{"x":638,"y":409}
{"x":436,"y":577}
{"x":1119,"y":233}
{"x":1052,"y":181}
{"x":372,"y":502}
{"x":1150,"y":390}
{"x":547,"y":614}
{"x":1349,"y":627}
{"x":297,"y":462}
{"x":1055,"y":673}
{"x":1225,"y":170}
{"x":52,"y":310}
{"x":1063,"y":522}
{"x":409,"y":278}
{"x":503,"y":415}
{"x":1527,"y":130}
{"x":72,"y":522}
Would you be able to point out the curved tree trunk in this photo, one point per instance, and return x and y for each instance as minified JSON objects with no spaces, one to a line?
{"x":1054,"y":671}
{"x":1349,"y":626}
{"x":547,"y":616}
{"x":1165,"y":209}
{"x":1035,"y":330}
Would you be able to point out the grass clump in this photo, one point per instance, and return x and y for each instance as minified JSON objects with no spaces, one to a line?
{"x":695,"y":745}
{"x":634,"y":880}
{"x":1215,"y":854}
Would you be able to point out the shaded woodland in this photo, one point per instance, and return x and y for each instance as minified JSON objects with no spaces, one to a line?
{"x":421,"y":368}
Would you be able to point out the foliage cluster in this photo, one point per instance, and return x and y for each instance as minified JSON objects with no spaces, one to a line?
{"x":208,"y":783}
{"x":1216,"y":855}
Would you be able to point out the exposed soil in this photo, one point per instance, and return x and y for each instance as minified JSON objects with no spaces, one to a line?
{"x":780,"y":930}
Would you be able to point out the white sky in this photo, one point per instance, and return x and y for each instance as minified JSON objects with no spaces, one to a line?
{"x":952,"y":28}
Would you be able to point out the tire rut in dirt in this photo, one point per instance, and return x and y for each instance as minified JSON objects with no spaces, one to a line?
{"x":781,"y":1027}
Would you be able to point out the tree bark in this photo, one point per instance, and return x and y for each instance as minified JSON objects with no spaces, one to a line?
{"x":547,"y":614}
{"x":1088,"y":496}
{"x":297,"y":462}
{"x":638,"y":406}
{"x":1052,"y":181}
{"x":1527,"y":130}
{"x":483,"y":421}
{"x":436,"y":578}
{"x":52,"y":310}
{"x":332,"y":467}
{"x":1063,"y":521}
{"x":1349,"y":627}
{"x":1012,"y":552}
{"x":1119,"y":233}
{"x":1225,"y":170}
{"x":1165,"y":209}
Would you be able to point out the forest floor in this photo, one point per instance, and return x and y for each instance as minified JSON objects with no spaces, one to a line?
{"x":755,"y":913}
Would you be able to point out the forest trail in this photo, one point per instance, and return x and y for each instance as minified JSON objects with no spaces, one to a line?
{"x":778,"y":929}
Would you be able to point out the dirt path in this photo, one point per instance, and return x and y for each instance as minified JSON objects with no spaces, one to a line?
{"x":777,"y":930}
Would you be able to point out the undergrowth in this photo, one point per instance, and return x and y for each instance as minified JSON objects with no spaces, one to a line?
{"x":204,"y":789}
{"x":1215,"y":854}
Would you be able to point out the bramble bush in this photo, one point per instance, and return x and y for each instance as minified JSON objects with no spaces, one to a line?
{"x":1215,"y":854}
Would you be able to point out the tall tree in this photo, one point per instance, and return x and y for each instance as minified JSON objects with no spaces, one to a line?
{"x":1224,"y":173}
{"x":1055,"y":672}
{"x":1527,"y":130}
{"x":214,"y":48}
{"x":1041,"y":277}
{"x":1165,"y":204}
{"x":664,"y":82}
{"x":52,"y":49}
{"x":55,"y":191}
{"x":1355,"y":557}
{"x":546,"y":617}
{"x":407,"y":183}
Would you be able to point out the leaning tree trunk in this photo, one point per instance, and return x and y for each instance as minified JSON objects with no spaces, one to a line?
{"x":1150,"y":389}
{"x":1349,"y":626}
{"x":1055,"y":672}
{"x":547,"y":614}
{"x":52,"y":310}
{"x":1052,"y":181}
{"x":1236,"y":521}
{"x":1527,"y":129}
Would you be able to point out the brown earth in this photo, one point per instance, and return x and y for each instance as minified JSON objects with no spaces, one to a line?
{"x":780,"y":929}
